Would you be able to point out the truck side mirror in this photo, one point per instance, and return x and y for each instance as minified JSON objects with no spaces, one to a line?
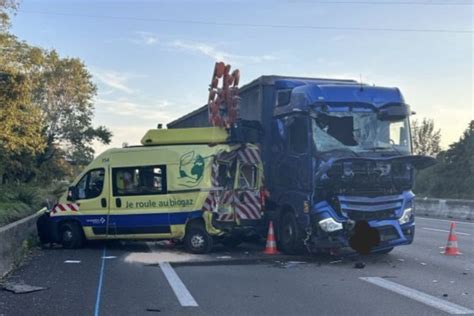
{"x":72,"y":194}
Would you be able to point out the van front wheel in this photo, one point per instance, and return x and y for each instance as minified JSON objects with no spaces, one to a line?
{"x":197,"y":240}
{"x":71,"y":235}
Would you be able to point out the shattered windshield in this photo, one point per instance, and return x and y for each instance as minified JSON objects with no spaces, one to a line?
{"x":359,"y":132}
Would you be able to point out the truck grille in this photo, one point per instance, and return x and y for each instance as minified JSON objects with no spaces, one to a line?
{"x":364,"y":208}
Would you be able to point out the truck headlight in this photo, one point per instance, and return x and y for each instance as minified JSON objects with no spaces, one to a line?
{"x":406,"y":216}
{"x":329,"y":225}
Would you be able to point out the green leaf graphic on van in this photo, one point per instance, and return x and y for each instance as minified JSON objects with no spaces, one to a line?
{"x":191,"y":169}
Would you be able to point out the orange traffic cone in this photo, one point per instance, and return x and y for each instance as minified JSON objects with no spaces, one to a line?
{"x":452,"y":245}
{"x":271,"y":248}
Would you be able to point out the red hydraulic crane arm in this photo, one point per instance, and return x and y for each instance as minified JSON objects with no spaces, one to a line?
{"x":223,"y":103}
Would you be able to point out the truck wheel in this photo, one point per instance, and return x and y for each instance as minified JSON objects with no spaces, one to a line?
{"x":71,"y":235}
{"x":291,"y":240}
{"x":383,"y":252}
{"x":231,"y":242}
{"x":197,"y":240}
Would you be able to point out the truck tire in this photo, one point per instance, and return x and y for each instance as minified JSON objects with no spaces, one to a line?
{"x":383,"y":252}
{"x":231,"y":242}
{"x":44,"y":232}
{"x":197,"y":240}
{"x":291,"y":235}
{"x":71,"y":235}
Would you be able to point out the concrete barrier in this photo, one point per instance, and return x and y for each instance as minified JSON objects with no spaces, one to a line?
{"x":445,"y":208}
{"x":12,"y":237}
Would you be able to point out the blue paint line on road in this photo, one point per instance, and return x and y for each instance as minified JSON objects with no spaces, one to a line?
{"x":99,"y":286}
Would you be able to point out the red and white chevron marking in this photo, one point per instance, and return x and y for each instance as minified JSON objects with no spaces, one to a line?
{"x":226,"y":217}
{"x":66,"y":207}
{"x":249,"y":207}
{"x":249,"y":155}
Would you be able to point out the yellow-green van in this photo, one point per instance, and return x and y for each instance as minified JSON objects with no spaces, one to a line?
{"x":182,"y":184}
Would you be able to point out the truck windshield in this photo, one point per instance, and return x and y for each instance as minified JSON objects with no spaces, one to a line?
{"x":360,"y":132}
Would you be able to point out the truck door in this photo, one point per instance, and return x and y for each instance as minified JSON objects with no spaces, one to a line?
{"x":295,"y":169}
{"x":138,"y":203}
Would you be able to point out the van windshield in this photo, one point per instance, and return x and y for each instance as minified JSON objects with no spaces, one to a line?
{"x":360,"y":132}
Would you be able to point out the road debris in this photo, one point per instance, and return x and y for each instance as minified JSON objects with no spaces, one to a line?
{"x":336,"y":261}
{"x":359,"y":265}
{"x":21,"y":288}
{"x":401,"y":260}
{"x":72,"y":261}
{"x":423,"y":263}
{"x":445,"y":295}
{"x":153,"y":310}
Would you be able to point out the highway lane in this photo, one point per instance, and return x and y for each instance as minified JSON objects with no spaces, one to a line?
{"x":133,"y":282}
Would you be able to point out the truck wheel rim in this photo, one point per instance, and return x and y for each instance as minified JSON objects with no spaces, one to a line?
{"x":67,"y":235}
{"x":197,"y":241}
{"x":287,"y":233}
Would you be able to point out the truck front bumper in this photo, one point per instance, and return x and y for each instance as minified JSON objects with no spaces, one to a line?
{"x":381,"y":215}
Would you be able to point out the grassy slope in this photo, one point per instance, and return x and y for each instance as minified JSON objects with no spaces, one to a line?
{"x":19,"y":201}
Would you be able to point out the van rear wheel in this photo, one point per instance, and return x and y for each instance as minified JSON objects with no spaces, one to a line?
{"x":71,"y":235}
{"x":197,"y":240}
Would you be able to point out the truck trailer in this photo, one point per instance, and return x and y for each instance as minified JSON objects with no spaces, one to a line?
{"x":337,"y":158}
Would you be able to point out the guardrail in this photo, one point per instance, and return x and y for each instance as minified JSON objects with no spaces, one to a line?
{"x":12,"y":238}
{"x":445,"y":208}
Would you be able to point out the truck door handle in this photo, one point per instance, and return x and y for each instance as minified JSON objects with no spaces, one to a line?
{"x":118,"y":202}
{"x":103,"y":202}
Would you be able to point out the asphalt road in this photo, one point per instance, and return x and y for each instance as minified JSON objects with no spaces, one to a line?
{"x":121,"y":278}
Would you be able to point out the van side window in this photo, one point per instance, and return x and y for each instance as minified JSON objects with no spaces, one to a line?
{"x":146,"y":180}
{"x":226,"y":174}
{"x":247,"y":177}
{"x":91,"y":184}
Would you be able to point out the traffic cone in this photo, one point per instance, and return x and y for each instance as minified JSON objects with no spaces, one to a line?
{"x":271,"y":248}
{"x":452,"y":245}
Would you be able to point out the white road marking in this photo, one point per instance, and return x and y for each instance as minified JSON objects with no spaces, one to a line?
{"x":184,"y":297}
{"x":421,"y":297}
{"x":72,"y":261}
{"x":444,"y":231}
{"x":444,"y":220}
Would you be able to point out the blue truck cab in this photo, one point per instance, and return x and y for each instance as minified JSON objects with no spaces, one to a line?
{"x":337,"y":159}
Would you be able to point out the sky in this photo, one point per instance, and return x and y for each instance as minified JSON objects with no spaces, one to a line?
{"x":152,"y":60}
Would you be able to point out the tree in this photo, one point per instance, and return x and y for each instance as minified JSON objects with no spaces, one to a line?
{"x":21,"y":128}
{"x":6,"y":6}
{"x":453,"y":175}
{"x":62,"y":91}
{"x":64,"y":94}
{"x":426,"y":140}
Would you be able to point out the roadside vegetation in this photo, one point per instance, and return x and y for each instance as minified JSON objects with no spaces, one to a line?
{"x":46,"y":112}
{"x":453,"y":175}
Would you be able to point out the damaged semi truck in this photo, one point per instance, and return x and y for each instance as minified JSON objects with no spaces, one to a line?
{"x":338,"y":161}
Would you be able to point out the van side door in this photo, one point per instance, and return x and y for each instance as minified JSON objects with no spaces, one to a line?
{"x":138,"y":202}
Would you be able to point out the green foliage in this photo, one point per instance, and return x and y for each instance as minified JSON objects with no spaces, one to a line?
{"x":453,"y":175}
{"x":46,"y":110}
{"x":6,"y":7}
{"x":425,"y":138}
